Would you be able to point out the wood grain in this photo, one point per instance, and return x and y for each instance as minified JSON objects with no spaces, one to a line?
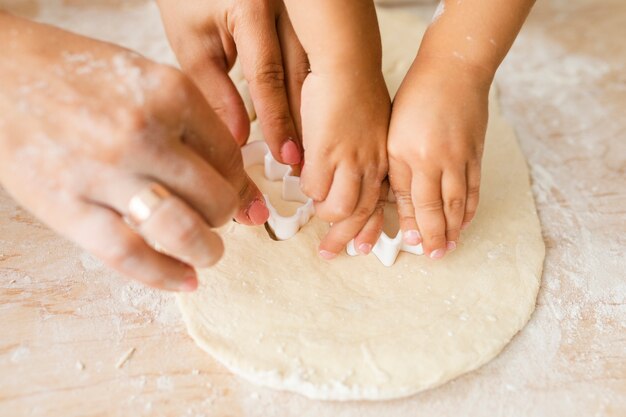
{"x":67,"y":321}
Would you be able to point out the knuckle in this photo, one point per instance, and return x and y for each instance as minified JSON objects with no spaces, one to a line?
{"x":170,"y":79}
{"x":134,"y":123}
{"x":342,"y":211}
{"x":379,"y":208}
{"x":469,"y":214}
{"x":430,"y":205}
{"x":361,"y":214}
{"x":434,"y":237}
{"x":186,"y":232}
{"x":174,"y":88}
{"x":473,"y":191}
{"x":269,"y":75}
{"x":311,"y":190}
{"x":403,"y":198}
{"x":455,"y":204}
{"x":300,"y":71}
{"x":334,"y":214}
{"x":404,"y":219}
{"x":278,"y":118}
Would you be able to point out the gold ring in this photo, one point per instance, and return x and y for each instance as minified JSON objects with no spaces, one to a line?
{"x":145,"y":202}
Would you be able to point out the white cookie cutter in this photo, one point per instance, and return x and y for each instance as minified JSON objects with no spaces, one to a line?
{"x":258,"y":153}
{"x":387,"y":249}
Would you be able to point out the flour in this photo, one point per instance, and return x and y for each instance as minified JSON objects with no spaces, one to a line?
{"x":557,"y":110}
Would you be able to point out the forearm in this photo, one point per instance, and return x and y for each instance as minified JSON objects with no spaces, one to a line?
{"x":337,"y":35}
{"x":476,"y":34}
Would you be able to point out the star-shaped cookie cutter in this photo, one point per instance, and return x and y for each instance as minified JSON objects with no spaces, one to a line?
{"x":387,"y":249}
{"x":284,"y":227}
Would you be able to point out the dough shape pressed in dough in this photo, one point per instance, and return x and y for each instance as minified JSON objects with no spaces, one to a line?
{"x":278,"y":315}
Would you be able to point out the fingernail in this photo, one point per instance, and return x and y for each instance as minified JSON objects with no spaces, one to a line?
{"x":327,"y":254}
{"x":437,"y":254}
{"x":465,"y":225}
{"x":290,"y":153}
{"x":258,"y":212}
{"x":190,"y":283}
{"x":412,"y":237}
{"x":450,"y":246}
{"x":365,"y":248}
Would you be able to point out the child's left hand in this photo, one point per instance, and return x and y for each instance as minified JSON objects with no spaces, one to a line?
{"x":436,"y":137}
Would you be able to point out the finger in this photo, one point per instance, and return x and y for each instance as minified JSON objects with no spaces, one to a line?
{"x":426,"y":192}
{"x":182,"y":233}
{"x":473,"y":192}
{"x":316,"y":179}
{"x":453,"y":189}
{"x":174,"y":225}
{"x":209,"y":138}
{"x":342,"y":232}
{"x":400,"y":178}
{"x":342,"y":197}
{"x":207,"y":63}
{"x":104,"y":233}
{"x":369,"y":234}
{"x":184,"y":172}
{"x":221,"y":93}
{"x":262,"y":64}
{"x":296,"y":66}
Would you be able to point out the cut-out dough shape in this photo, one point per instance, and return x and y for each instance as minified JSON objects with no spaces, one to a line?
{"x":387,"y":249}
{"x":284,"y":227}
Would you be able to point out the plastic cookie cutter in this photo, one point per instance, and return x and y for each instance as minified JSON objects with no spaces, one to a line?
{"x":387,"y":249}
{"x":284,"y":227}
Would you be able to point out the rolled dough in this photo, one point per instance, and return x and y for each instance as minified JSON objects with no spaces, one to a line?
{"x":278,"y":315}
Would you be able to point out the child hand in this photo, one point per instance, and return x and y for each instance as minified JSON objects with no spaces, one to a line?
{"x":436,"y":137}
{"x":344,"y":121}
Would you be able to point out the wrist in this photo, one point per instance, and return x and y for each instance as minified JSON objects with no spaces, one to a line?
{"x":453,"y":69}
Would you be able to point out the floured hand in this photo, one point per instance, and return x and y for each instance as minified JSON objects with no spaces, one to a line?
{"x":86,"y":125}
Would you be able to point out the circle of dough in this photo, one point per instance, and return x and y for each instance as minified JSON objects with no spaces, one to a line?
{"x":278,"y":315}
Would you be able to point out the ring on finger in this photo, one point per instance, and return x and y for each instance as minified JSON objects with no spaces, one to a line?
{"x":143,"y":204}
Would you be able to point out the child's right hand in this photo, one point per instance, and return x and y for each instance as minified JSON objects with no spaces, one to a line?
{"x":436,"y":137}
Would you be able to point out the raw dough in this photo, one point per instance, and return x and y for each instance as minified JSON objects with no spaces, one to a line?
{"x":279,"y":316}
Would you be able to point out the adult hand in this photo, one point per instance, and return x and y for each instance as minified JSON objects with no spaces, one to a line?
{"x":85,"y":126}
{"x":207,"y":36}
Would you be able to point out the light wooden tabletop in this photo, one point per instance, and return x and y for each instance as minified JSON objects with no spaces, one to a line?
{"x":78,"y":340}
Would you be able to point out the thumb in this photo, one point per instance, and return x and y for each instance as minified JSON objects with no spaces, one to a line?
{"x":400,"y":177}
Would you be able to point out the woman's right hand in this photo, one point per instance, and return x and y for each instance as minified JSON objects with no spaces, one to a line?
{"x":85,"y":126}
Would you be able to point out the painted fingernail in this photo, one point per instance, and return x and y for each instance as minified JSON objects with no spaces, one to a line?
{"x":327,"y":254}
{"x":190,"y":283}
{"x":465,"y":225}
{"x":450,"y":246}
{"x":412,"y":237}
{"x":258,"y":212}
{"x":290,"y":153}
{"x":437,"y":254}
{"x":365,"y":248}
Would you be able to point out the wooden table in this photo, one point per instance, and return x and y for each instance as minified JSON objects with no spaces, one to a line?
{"x":78,"y":340}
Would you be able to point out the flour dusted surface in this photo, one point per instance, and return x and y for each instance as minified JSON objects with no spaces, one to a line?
{"x":278,"y":315}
